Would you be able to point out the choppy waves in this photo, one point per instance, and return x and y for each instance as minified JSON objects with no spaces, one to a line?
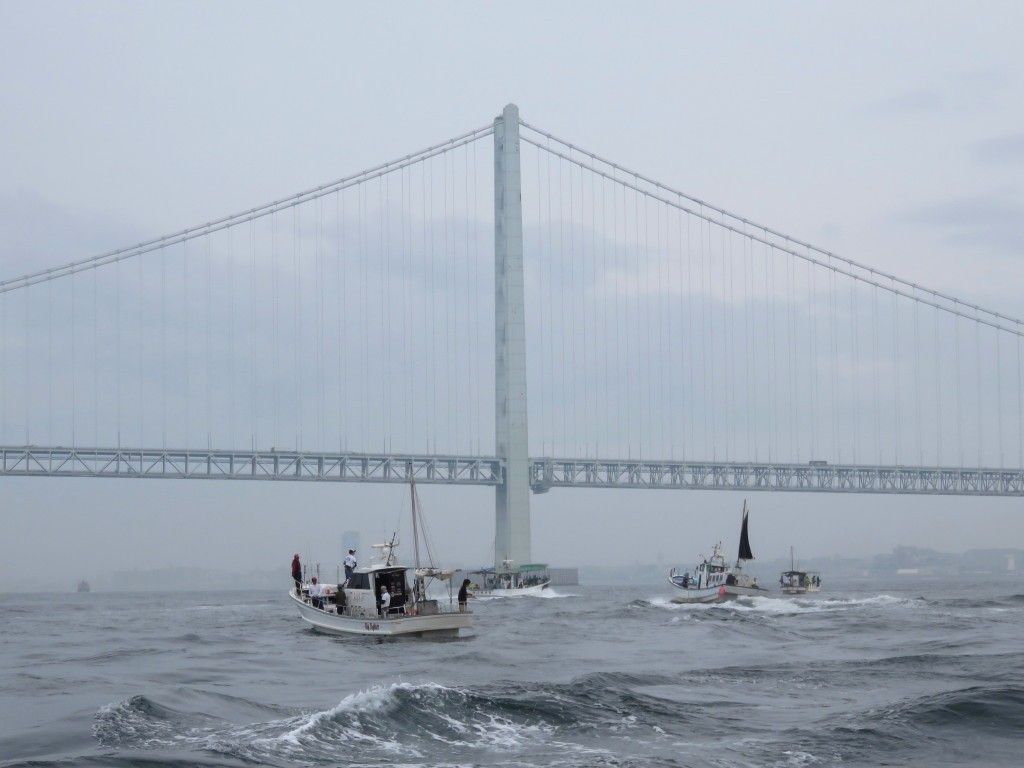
{"x":584,"y":722}
{"x":896,"y":678}
{"x":403,"y":722}
{"x":967,"y":726}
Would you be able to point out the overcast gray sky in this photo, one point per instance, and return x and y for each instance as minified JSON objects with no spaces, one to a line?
{"x":894,"y":135}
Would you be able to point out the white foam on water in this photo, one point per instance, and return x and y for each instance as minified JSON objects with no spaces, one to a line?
{"x":796,"y":757}
{"x":547,"y":594}
{"x":550,"y":594}
{"x":372,"y":699}
{"x":328,"y":727}
{"x":504,"y":734}
{"x":782,"y":605}
{"x":121,"y":722}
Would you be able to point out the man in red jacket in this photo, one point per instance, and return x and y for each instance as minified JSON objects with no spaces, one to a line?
{"x":297,"y":575}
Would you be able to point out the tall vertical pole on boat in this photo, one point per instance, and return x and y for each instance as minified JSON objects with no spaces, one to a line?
{"x":415,"y":528}
{"x":417,"y":590}
{"x":512,"y":496}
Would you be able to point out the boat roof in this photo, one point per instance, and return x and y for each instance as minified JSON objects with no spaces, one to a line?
{"x":377,"y":567}
{"x":521,"y":568}
{"x":798,"y":573}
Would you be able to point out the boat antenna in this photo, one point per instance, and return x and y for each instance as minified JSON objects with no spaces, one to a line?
{"x":391,"y":548}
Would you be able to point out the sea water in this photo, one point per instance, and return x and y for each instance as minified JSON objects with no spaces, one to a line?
{"x":924,"y":672}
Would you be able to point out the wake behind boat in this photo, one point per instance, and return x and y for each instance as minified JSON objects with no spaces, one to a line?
{"x":377,"y":600}
{"x":713,"y":581}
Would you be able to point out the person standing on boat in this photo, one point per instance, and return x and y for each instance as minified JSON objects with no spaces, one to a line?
{"x":464,"y":595}
{"x":316,"y":593}
{"x":340,"y":600}
{"x":385,"y":601}
{"x":350,"y":564}
{"x":297,"y":574}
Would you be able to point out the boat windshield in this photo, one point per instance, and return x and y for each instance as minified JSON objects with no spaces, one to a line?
{"x":358,"y":581}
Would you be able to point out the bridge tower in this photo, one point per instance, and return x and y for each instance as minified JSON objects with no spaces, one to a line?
{"x":512,"y":497}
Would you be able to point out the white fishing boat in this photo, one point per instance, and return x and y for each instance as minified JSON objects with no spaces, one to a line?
{"x":356,"y":607}
{"x":713,"y":581}
{"x":511,"y":580}
{"x":798,"y":582}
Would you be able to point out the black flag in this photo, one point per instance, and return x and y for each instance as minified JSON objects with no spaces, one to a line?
{"x":745,"y":553}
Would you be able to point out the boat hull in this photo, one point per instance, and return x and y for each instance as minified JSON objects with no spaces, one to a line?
{"x":432,"y":625}
{"x":702,"y":595}
{"x":799,"y":590}
{"x":714,"y":594}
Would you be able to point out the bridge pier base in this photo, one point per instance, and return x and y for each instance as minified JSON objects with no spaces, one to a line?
{"x":512,"y":496}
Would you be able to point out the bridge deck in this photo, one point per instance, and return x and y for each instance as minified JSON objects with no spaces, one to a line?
{"x":545,"y":473}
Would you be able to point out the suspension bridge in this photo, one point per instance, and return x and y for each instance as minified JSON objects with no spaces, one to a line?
{"x":387,"y":327}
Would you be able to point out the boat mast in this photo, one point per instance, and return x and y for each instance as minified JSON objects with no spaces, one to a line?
{"x":415,"y":531}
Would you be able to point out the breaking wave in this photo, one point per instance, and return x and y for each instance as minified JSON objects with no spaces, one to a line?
{"x":576,"y":723}
{"x":405,"y":721}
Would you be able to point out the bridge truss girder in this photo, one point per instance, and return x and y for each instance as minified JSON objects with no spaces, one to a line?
{"x":737,"y":476}
{"x":248,"y":465}
{"x":545,"y":473}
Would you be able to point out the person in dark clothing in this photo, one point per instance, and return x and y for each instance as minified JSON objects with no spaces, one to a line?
{"x":297,"y":575}
{"x":464,"y":595}
{"x":340,"y":600}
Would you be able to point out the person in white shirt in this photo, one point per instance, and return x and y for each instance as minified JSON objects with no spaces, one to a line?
{"x":350,"y":564}
{"x":385,"y":601}
{"x":316,"y":593}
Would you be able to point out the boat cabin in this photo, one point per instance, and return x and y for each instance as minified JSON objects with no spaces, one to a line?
{"x":710,"y":572}
{"x":362,"y":593}
{"x":360,"y":596}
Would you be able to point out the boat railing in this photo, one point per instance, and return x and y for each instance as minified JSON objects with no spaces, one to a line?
{"x":427,"y":607}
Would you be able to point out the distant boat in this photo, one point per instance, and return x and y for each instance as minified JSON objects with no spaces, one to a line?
{"x":713,"y":580}
{"x":83,"y":586}
{"x":798,"y":582}
{"x":511,"y":580}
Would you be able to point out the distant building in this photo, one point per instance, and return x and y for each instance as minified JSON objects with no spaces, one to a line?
{"x":992,"y":560}
{"x":564,"y":577}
